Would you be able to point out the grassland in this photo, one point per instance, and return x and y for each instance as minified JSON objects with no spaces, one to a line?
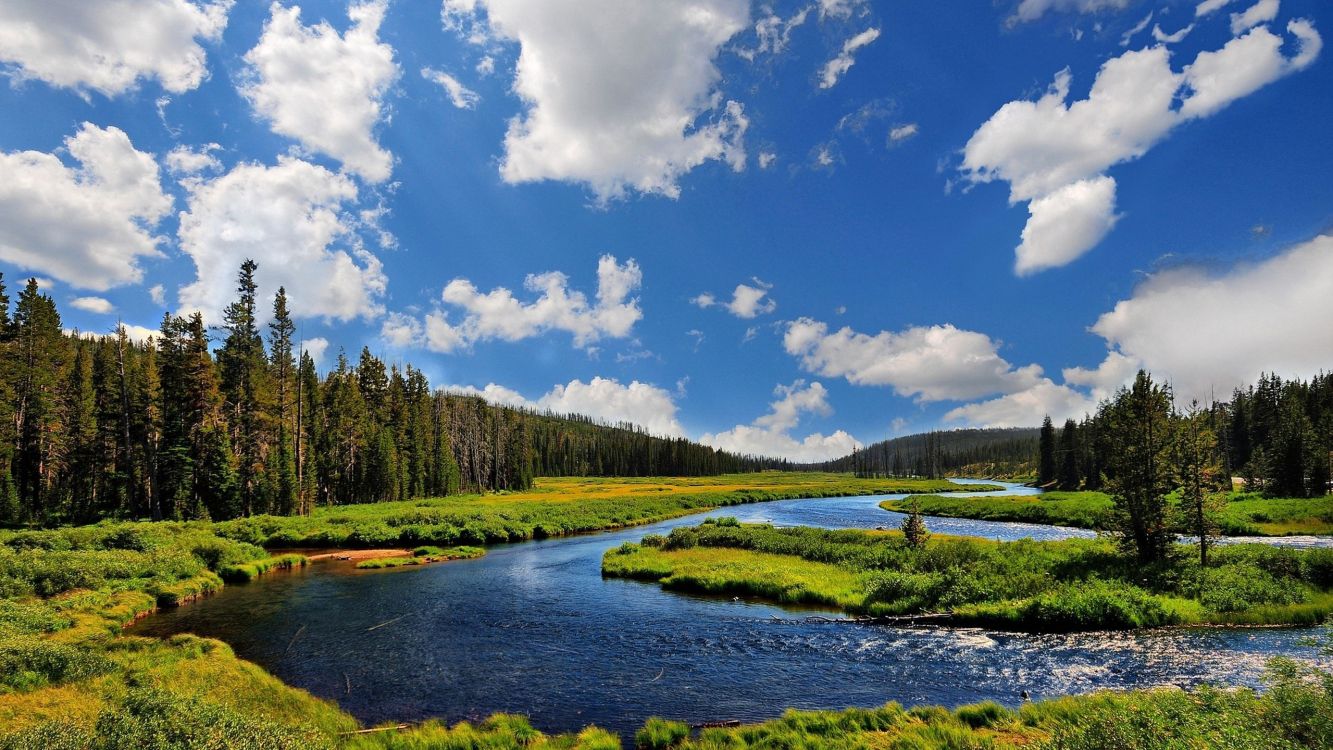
{"x":554,"y":507}
{"x":1078,"y":584}
{"x":1244,"y":513}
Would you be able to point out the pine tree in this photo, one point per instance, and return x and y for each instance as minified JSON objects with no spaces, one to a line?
{"x":1139,"y":430}
{"x":282,"y":463}
{"x":914,"y":528}
{"x":1046,"y":466}
{"x":1197,"y":476}
{"x":40,"y":357}
{"x":1069,"y":456}
{"x":246,"y":392}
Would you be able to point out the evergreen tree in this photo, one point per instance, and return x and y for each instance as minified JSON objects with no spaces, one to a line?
{"x":1068,"y":476}
{"x":246,"y":393}
{"x":914,"y":528}
{"x":41,"y":351}
{"x":1139,"y":429}
{"x":282,"y":464}
{"x":1197,"y":476}
{"x":1046,"y":465}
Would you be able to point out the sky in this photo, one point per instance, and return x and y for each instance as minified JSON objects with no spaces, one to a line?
{"x":784,"y":228}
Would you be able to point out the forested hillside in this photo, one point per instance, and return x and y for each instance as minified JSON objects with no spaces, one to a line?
{"x":195,"y":423}
{"x":994,"y":452}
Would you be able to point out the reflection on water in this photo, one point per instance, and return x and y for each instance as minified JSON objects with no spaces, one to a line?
{"x":534,"y":629}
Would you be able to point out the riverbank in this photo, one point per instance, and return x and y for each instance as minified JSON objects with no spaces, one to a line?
{"x":1244,"y":513}
{"x":555,"y":507}
{"x":1061,"y":586}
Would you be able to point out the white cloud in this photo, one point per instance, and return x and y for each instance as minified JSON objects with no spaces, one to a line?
{"x":108,"y":45}
{"x":901,"y":133}
{"x":401,"y":331}
{"x":770,"y":434}
{"x":1209,"y":332}
{"x":1056,"y":152}
{"x":1065,"y":224}
{"x":766,"y":159}
{"x":460,"y":96}
{"x":839,"y":9}
{"x":1259,"y":13}
{"x":1208,"y":7}
{"x":1172,"y":38}
{"x":932,"y":363}
{"x":158,"y":294}
{"x":773,"y":33}
{"x":1134,"y":30}
{"x":139,"y":334}
{"x":316,"y":348}
{"x":605,"y":399}
{"x":1031,"y":10}
{"x":186,"y":161}
{"x":747,"y":301}
{"x":290,"y":219}
{"x":98,"y":305}
{"x":323,"y":89}
{"x":619,"y":95}
{"x":486,"y":66}
{"x":498,"y":314}
{"x":89,"y":225}
{"x":1206,"y":333}
{"x":834,"y":69}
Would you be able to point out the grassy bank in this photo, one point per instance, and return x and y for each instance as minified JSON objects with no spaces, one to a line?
{"x":1244,"y":514}
{"x":422,"y":556}
{"x":554,"y":507}
{"x":1068,"y":585}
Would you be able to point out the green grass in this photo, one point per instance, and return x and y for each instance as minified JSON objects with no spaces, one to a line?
{"x":554,"y":507}
{"x":422,"y":556}
{"x":1244,"y":514}
{"x":1071,"y":585}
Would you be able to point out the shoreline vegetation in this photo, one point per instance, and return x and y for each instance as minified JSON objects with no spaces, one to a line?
{"x":1239,"y":514}
{"x":70,"y":678}
{"x":1028,"y":586}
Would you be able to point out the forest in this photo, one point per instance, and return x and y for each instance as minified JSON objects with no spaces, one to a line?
{"x":203,"y":423}
{"x":939,"y":453}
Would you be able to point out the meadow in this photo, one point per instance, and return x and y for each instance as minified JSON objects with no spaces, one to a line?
{"x":1071,"y":585}
{"x":1243,"y":513}
{"x":554,"y":507}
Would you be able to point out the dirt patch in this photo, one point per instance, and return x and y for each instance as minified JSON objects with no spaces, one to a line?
{"x":360,"y":554}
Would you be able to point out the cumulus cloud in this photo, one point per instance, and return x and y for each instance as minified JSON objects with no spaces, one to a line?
{"x":834,"y":69}
{"x":1210,"y":332}
{"x":1259,"y":13}
{"x":770,"y":434}
{"x":289,"y":218}
{"x":1063,"y":222}
{"x":747,"y":301}
{"x":1053,"y":153}
{"x":158,"y":294}
{"x":606,"y":399}
{"x":98,"y":305}
{"x":316,"y":347}
{"x":1031,"y":10}
{"x":185,"y":161}
{"x":499,"y":314}
{"x":460,"y":96}
{"x":1205,"y":332}
{"x":619,"y":95}
{"x":932,"y":363}
{"x":87,"y":225}
{"x":109,"y":45}
{"x":324,"y":89}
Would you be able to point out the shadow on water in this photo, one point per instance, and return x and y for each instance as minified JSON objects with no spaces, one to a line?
{"x":534,"y":629}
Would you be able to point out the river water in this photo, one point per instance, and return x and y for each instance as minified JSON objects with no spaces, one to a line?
{"x":533,"y":628}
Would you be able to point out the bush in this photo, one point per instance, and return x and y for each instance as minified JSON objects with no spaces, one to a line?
{"x":653,"y":540}
{"x":660,"y":734}
{"x":1240,"y":587}
{"x":29,"y":663}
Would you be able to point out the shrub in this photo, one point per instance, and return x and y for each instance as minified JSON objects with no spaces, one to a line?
{"x":1238,"y":587}
{"x":28,"y":663}
{"x":653,"y":540}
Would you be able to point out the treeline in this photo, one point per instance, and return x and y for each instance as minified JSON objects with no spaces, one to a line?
{"x":1276,"y":435}
{"x":942,"y":453}
{"x":184,"y":426}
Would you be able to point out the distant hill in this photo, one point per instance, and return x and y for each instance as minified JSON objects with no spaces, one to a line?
{"x":1009,"y":452}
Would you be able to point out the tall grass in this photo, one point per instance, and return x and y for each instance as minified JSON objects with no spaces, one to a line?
{"x":1071,"y":585}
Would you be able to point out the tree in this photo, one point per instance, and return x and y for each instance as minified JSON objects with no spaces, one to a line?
{"x":1198,"y":473}
{"x":246,"y":392}
{"x":283,"y":408}
{"x":1068,"y":476}
{"x":1138,"y":423}
{"x":41,"y":353}
{"x":914,"y":528}
{"x":1046,"y":466}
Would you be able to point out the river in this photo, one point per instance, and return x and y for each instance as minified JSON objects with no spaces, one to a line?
{"x":532,"y":628}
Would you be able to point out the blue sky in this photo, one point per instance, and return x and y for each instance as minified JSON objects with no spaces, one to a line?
{"x":942,"y":214}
